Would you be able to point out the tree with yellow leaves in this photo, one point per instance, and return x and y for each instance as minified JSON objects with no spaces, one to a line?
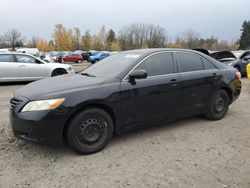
{"x":62,"y":38}
{"x":42,"y":45}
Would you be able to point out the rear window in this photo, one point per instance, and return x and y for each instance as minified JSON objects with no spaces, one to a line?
{"x":207,"y":64}
{"x":6,"y":58}
{"x":189,"y":62}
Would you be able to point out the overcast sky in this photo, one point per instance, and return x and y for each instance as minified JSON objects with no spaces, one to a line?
{"x":221,"y":18}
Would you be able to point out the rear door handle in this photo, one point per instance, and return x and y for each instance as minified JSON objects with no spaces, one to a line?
{"x":175,"y":82}
{"x":22,"y":66}
{"x":215,"y":76}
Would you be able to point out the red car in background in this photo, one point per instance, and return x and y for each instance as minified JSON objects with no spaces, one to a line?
{"x":70,"y":57}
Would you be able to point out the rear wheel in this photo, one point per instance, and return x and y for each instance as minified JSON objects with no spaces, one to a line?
{"x":218,"y":105}
{"x":89,"y":131}
{"x":78,"y":61}
{"x":58,"y":72}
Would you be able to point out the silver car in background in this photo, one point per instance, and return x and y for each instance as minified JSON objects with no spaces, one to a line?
{"x":24,"y":67}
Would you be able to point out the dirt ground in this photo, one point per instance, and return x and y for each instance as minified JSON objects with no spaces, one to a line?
{"x":193,"y":152}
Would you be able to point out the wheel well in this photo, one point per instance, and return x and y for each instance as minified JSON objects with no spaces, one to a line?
{"x":229,"y":92}
{"x":58,"y":69}
{"x":100,"y":106}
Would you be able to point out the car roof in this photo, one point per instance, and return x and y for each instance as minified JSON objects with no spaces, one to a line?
{"x":16,"y":53}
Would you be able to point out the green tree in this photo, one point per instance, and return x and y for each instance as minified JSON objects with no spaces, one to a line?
{"x":86,"y":41}
{"x":245,"y":35}
{"x":110,"y":40}
{"x":76,"y":38}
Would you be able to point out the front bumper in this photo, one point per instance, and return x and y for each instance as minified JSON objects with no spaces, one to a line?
{"x":45,"y":127}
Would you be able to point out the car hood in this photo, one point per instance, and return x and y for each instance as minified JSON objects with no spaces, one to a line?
{"x":57,"y":86}
{"x":223,"y":55}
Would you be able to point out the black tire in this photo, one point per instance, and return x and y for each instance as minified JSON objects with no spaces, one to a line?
{"x":218,"y":105}
{"x":89,"y":131}
{"x":58,"y":72}
{"x":78,"y":61}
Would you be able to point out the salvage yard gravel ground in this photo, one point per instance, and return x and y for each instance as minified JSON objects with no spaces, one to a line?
{"x":192,"y":152}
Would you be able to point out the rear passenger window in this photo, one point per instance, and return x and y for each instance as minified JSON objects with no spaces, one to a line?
{"x":158,"y":64}
{"x":189,"y":62}
{"x":207,"y":64}
{"x":6,"y":58}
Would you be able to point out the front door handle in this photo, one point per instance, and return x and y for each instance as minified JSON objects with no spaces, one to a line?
{"x":22,"y":66}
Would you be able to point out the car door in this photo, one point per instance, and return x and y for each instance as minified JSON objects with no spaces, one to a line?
{"x":154,"y":98}
{"x":31,"y":68}
{"x":8,"y":68}
{"x":71,"y":57}
{"x":198,"y":77}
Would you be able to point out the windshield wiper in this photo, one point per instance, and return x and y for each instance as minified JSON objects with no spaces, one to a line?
{"x":87,"y":74}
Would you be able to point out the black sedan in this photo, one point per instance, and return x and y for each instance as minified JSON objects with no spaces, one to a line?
{"x":125,"y":91}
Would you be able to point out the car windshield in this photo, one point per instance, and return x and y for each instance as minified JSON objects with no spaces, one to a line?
{"x":113,"y":65}
{"x":94,"y":53}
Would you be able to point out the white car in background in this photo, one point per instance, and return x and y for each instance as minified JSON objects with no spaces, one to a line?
{"x":31,"y":51}
{"x":24,"y":67}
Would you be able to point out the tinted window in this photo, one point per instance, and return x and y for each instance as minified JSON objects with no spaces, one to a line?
{"x":25,"y":59}
{"x":189,"y":62}
{"x":6,"y":58}
{"x":208,"y":64}
{"x":158,"y":64}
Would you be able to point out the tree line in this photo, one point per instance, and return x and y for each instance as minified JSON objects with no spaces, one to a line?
{"x":133,"y":36}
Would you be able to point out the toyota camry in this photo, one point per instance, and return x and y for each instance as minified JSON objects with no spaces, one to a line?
{"x":125,"y":91}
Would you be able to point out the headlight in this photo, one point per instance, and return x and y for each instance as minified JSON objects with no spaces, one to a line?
{"x":42,"y":105}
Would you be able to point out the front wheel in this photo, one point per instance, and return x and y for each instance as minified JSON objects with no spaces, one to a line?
{"x":218,"y":105}
{"x":89,"y":131}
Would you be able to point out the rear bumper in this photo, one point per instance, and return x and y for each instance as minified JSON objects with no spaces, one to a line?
{"x":236,"y":89}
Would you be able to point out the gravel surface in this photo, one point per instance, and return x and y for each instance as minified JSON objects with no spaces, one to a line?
{"x":193,"y":152}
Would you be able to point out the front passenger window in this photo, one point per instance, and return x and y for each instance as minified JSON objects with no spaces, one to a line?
{"x":25,"y":59}
{"x":158,"y":64}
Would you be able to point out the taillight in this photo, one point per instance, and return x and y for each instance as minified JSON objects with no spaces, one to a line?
{"x":238,"y":75}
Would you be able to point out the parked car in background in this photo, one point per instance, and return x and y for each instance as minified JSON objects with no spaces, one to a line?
{"x":85,"y":54}
{"x":248,"y":70}
{"x":97,"y":57}
{"x":229,"y":58}
{"x":236,"y":59}
{"x":31,"y":51}
{"x":125,"y":91}
{"x":52,"y":57}
{"x":71,"y":57}
{"x":25,"y":67}
{"x":4,"y":50}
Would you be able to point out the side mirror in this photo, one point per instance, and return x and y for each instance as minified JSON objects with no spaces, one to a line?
{"x":137,"y":74}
